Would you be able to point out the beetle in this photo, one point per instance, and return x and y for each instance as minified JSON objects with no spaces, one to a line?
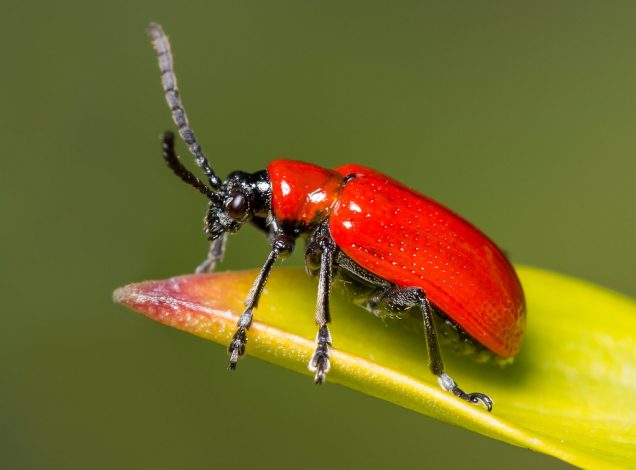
{"x":407,"y":250}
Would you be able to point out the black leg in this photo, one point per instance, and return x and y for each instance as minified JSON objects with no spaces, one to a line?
{"x":239,"y":340}
{"x":319,"y":362}
{"x":321,"y":249}
{"x":401,"y":298}
{"x":436,"y":364}
{"x":282,"y":245}
{"x":215,"y":255}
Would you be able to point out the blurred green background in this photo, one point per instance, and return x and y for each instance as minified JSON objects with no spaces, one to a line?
{"x":519,"y":115}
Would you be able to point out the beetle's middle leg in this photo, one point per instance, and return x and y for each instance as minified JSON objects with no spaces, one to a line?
{"x":401,"y":298}
{"x":320,"y":249}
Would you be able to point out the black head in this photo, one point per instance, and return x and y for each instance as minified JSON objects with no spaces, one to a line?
{"x":238,"y":199}
{"x":234,"y":201}
{"x":241,"y":197}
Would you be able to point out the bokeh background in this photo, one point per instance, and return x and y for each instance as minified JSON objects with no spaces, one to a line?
{"x":519,"y":115}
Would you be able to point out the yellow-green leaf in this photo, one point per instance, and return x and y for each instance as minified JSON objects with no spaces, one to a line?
{"x":570,"y":393}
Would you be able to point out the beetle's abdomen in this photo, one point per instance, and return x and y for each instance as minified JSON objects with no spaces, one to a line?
{"x":302,"y":194}
{"x":413,"y":241}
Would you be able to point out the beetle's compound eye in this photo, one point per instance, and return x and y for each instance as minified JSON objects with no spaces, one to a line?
{"x":237,"y":206}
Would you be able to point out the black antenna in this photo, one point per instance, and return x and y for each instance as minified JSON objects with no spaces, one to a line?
{"x":172,"y":160}
{"x":169,"y":82}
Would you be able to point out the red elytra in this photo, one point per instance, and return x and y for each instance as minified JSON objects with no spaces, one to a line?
{"x":410,"y":240}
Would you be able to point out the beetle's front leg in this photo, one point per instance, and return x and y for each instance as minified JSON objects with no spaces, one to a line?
{"x":319,"y":362}
{"x":281,"y":245}
{"x":215,"y":255}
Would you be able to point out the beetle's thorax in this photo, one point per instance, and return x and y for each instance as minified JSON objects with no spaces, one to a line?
{"x":302,"y":195}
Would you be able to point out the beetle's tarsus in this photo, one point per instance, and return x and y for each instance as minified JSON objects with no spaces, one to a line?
{"x":320,"y":376}
{"x":234,"y":356}
{"x":239,"y":340}
{"x":477,"y":398}
{"x":448,"y":384}
{"x":237,"y":346}
{"x":319,"y":362}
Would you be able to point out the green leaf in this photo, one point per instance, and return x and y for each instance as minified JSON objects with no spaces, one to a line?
{"x":570,"y":393}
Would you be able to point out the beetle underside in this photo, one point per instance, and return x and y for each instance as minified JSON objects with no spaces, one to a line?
{"x":450,"y":333}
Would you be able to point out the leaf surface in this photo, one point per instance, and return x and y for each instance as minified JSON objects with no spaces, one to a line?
{"x":570,"y":393}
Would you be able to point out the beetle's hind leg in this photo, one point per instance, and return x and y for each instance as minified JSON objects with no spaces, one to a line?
{"x":436,"y":364}
{"x":320,"y":249}
{"x":400,"y":298}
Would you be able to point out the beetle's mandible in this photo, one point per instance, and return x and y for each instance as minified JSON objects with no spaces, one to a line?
{"x":409,"y":251}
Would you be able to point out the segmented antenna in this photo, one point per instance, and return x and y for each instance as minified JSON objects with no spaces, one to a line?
{"x":169,"y":82}
{"x":172,"y":160}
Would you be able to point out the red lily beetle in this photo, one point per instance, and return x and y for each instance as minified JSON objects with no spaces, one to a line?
{"x":406,"y":250}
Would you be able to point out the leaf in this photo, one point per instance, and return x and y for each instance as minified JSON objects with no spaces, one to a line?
{"x":570,"y":392}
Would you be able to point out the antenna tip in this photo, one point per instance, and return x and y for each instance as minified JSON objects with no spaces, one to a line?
{"x":155,"y":30}
{"x":168,"y":136}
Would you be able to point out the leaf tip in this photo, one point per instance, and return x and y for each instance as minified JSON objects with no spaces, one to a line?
{"x":122,"y":295}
